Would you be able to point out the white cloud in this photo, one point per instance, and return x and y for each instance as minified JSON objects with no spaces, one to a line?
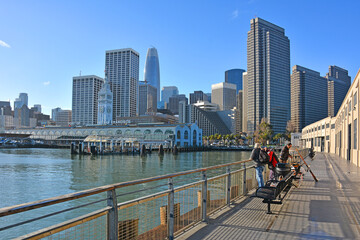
{"x":235,"y":14}
{"x":4,"y":44}
{"x":46,"y":83}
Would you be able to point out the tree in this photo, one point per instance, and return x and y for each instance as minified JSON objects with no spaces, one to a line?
{"x":278,"y":137}
{"x":263,"y":132}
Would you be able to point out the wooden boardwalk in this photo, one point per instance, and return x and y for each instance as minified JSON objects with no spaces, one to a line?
{"x":328,"y":209}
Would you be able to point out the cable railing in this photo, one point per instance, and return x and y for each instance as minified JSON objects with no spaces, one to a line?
{"x":160,"y":215}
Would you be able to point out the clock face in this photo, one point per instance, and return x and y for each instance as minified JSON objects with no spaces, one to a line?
{"x":102,"y":109}
{"x":108,"y":109}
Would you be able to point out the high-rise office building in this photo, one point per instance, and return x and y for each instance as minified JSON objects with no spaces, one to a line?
{"x":174,"y":103}
{"x":167,"y":92}
{"x":309,"y":100}
{"x":338,"y":86}
{"x":22,"y":100}
{"x":224,"y":94}
{"x":268,"y":75}
{"x":208,"y":97}
{"x":63,"y":118}
{"x":239,"y":112}
{"x":54,"y":112}
{"x":198,"y":96}
{"x":105,"y":104}
{"x":37,"y":107}
{"x":122,"y":69}
{"x":85,"y":99}
{"x":235,"y":76}
{"x":245,"y":103}
{"x":147,"y":98}
{"x":152,"y":70}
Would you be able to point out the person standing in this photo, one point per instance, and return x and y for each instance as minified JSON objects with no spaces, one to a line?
{"x":284,"y":155}
{"x":255,"y":155}
{"x":272,"y":164}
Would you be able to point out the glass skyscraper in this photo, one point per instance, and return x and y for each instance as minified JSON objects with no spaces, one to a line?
{"x":152,"y":70}
{"x":235,"y":76}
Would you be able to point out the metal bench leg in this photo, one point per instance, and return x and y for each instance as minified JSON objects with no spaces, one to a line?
{"x":269,"y":210}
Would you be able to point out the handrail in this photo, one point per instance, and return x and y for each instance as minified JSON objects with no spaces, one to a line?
{"x":76,"y":195}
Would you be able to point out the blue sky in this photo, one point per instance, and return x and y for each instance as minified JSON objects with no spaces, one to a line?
{"x":43,"y":44}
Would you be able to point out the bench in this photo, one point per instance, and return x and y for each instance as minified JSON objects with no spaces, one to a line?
{"x":271,"y":192}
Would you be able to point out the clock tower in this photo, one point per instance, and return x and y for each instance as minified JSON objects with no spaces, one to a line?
{"x":105,"y":104}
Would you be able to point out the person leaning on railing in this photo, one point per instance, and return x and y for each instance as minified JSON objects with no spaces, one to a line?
{"x":255,"y":155}
{"x":284,"y":155}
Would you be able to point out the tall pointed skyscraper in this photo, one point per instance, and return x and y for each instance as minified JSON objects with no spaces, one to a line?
{"x":152,"y":70}
{"x":268,"y":75}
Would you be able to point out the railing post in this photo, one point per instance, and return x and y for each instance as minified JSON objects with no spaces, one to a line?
{"x":244,"y":180}
{"x":204,"y":196}
{"x":113,"y":226}
{"x":228,"y":185}
{"x":170,"y":212}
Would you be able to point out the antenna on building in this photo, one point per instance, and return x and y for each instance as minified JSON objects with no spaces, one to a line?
{"x":80,"y":73}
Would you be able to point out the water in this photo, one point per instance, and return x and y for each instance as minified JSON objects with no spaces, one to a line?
{"x":33,"y":174}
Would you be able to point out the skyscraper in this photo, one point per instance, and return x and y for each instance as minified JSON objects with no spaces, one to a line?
{"x":235,"y":76}
{"x":167,"y":92}
{"x":37,"y":107}
{"x":224,"y":94}
{"x":122,"y":69}
{"x":309,"y":101}
{"x":245,"y":103}
{"x":22,"y":100}
{"x":268,"y":75}
{"x":85,"y":99}
{"x":239,"y":112}
{"x":105,"y":104}
{"x":174,"y":102}
{"x":147,"y":98}
{"x":198,"y":96}
{"x":338,"y":86}
{"x":152,"y":70}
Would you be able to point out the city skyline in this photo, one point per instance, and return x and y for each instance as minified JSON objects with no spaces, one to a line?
{"x":29,"y":59}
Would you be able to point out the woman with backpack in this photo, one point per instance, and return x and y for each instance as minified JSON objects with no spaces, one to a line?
{"x":260,"y":157}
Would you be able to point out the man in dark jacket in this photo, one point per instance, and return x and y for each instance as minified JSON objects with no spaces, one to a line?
{"x":284,"y":155}
{"x":255,"y":154}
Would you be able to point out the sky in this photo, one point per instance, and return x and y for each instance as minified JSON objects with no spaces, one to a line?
{"x":44,"y":43}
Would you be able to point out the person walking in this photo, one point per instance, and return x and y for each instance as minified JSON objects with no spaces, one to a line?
{"x":284,"y":155}
{"x":255,"y":156}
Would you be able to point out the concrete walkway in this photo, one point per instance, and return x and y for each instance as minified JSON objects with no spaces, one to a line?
{"x":328,"y":209}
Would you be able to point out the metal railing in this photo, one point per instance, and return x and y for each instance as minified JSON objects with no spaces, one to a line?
{"x":161,"y":215}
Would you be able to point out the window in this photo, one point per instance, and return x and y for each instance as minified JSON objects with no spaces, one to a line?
{"x":323,"y":127}
{"x":349,"y":106}
{"x":355,"y":134}
{"x":327,"y":125}
{"x":355,"y":99}
{"x":332,"y":126}
{"x":327,"y":137}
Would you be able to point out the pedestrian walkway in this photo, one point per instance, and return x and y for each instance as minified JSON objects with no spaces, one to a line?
{"x":328,"y":209}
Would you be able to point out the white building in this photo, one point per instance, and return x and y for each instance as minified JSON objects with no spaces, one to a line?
{"x":85,"y":99}
{"x":122,"y":69}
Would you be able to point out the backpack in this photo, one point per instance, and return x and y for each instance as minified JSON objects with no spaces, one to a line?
{"x":264,"y":157}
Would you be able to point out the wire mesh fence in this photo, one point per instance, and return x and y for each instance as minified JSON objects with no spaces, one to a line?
{"x":158,"y":216}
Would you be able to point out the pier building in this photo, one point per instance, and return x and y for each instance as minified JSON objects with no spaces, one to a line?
{"x":181,"y":135}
